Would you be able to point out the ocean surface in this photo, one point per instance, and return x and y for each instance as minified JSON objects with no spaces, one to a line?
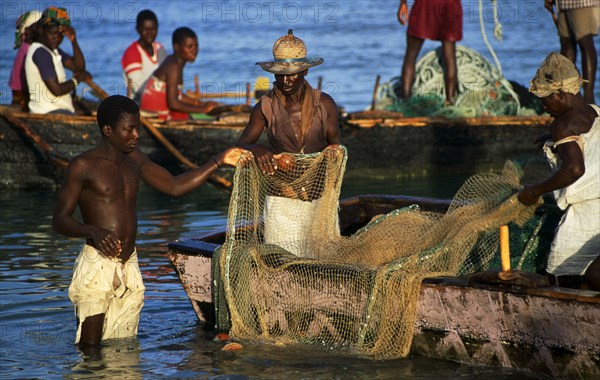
{"x":359,"y":39}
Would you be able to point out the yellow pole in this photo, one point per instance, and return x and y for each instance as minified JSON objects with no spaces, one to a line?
{"x":504,"y":249}
{"x":248,"y":94}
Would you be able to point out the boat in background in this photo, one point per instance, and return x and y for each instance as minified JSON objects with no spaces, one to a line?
{"x":544,"y":330}
{"x":374,"y":139}
{"x":24,"y":150}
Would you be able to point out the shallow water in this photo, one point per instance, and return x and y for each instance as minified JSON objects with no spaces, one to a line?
{"x":359,"y":39}
{"x":37,"y":327}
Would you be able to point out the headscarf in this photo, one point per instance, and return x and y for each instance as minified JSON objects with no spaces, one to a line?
{"x":557,"y":72}
{"x":23,"y":22}
{"x":55,"y":16}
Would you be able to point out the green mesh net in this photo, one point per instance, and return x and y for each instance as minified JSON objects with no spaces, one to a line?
{"x":482,"y":90}
{"x":287,"y":274}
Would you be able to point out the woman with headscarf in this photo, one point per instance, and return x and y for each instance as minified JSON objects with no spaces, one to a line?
{"x":24,"y":36}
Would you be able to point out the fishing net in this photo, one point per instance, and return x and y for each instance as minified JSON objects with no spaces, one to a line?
{"x":289,"y":276}
{"x":482,"y":90}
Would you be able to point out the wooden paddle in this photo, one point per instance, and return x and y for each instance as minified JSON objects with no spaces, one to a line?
{"x":58,"y":159}
{"x":217,"y":181}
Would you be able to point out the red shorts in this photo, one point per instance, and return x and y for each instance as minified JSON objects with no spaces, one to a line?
{"x":154,"y":101}
{"x":440,"y":20}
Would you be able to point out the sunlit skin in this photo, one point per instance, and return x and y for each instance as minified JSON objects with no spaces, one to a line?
{"x":572,"y":117}
{"x":589,"y":56}
{"x":171,"y":71}
{"x":413,"y":47}
{"x":104,"y":183}
{"x":148,"y":31}
{"x":290,"y":85}
{"x":51,"y":36}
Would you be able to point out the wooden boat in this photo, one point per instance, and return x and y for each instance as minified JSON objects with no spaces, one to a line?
{"x":545,"y":330}
{"x":374,"y":139}
{"x":25,"y":162}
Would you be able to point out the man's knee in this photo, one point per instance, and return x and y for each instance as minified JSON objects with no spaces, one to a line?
{"x":91,"y":330}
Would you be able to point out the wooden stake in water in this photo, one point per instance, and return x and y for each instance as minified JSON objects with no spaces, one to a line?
{"x":504,"y":249}
{"x":375,"y":90}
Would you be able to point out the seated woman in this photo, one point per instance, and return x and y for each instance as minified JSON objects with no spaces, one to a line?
{"x":45,"y":63}
{"x":24,"y":36}
{"x":163,"y":96}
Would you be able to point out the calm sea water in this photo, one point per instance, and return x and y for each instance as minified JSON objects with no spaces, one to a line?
{"x":359,"y":39}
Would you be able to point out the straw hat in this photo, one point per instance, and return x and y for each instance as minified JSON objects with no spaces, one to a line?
{"x":557,"y":72}
{"x":289,"y":52}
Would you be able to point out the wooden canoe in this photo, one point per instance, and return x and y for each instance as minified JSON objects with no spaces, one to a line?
{"x":374,"y":139}
{"x":24,"y":164}
{"x":424,"y":143}
{"x":546,"y":330}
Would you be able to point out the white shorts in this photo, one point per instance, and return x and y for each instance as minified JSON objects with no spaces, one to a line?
{"x":101,"y":285}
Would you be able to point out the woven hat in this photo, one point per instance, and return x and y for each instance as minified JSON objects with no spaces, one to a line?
{"x":23,"y":22}
{"x":289,"y":52}
{"x":557,"y":72}
{"x":55,"y":16}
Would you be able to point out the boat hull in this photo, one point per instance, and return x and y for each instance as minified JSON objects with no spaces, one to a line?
{"x":424,"y":143}
{"x":550,"y":331}
{"x":25,"y":165}
{"x":414,"y":145}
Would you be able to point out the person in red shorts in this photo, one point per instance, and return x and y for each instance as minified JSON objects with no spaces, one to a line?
{"x":163,"y":95}
{"x":439,"y":20}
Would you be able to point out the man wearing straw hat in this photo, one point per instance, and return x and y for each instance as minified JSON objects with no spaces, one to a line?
{"x":296,"y":117}
{"x":574,"y":154}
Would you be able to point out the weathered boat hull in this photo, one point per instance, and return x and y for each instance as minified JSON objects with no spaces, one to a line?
{"x":550,"y":331}
{"x":425,"y":143}
{"x":24,"y":165}
{"x":409,"y":144}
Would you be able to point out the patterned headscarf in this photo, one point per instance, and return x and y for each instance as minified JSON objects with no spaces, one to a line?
{"x":55,"y":16}
{"x":23,"y":22}
{"x":557,"y":72}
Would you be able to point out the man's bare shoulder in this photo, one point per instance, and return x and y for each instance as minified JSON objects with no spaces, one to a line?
{"x":88,"y":157}
{"x":573,"y":122}
{"x":326,"y":98}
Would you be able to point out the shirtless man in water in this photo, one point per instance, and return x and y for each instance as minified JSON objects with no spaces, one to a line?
{"x":107,"y":288}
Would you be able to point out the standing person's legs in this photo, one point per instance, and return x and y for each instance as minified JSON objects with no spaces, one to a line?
{"x":568,"y":44}
{"x":568,"y":48}
{"x":589,"y":65}
{"x":413,"y":47}
{"x":580,"y":26}
{"x":91,"y":330}
{"x":450,"y":70}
